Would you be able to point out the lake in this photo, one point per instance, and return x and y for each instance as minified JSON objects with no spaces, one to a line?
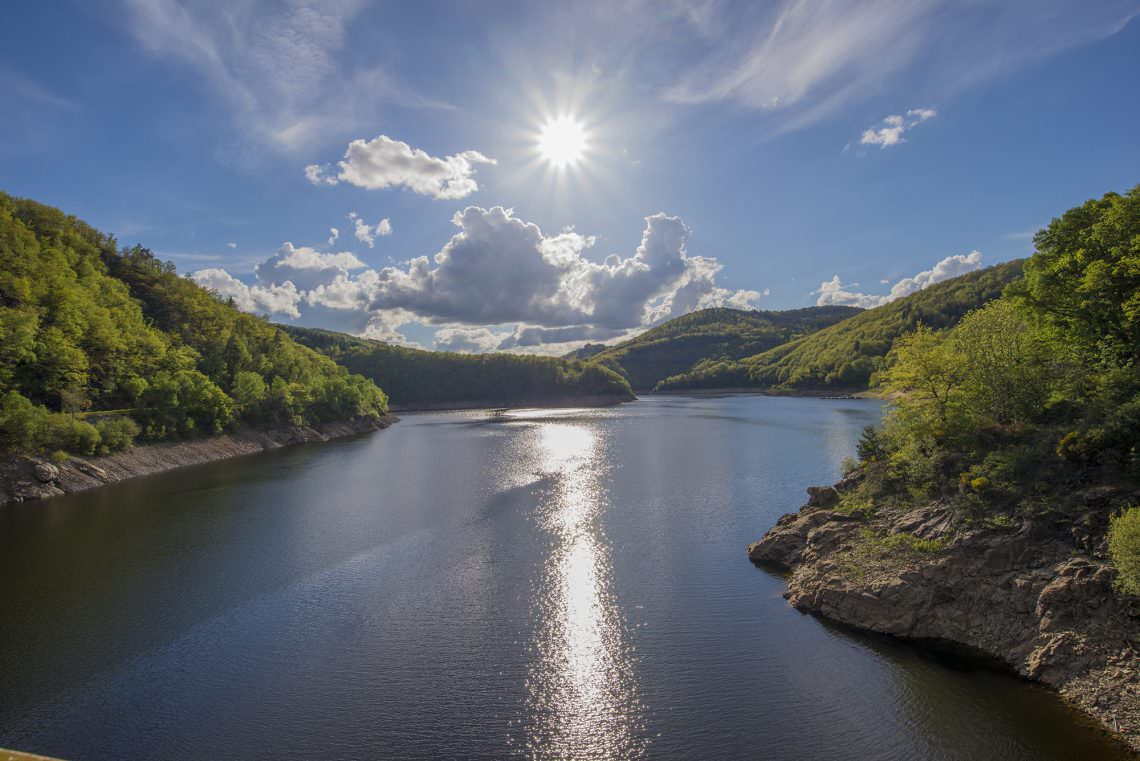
{"x":542,"y":583}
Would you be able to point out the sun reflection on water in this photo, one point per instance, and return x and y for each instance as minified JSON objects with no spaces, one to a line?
{"x":581,"y":685}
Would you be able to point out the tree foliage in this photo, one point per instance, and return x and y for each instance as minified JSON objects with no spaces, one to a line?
{"x":1084,"y":279}
{"x":1032,"y":397}
{"x":852,"y":354}
{"x":415,"y":376}
{"x":716,"y":336}
{"x":87,"y":328}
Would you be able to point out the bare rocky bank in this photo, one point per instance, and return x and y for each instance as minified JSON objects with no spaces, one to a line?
{"x":1035,"y":593}
{"x":27,"y":478}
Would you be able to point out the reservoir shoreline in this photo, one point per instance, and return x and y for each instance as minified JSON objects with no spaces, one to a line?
{"x":24,"y":478}
{"x":1036,"y":596}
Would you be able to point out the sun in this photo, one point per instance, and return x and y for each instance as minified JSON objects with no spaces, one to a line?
{"x":562,"y":141}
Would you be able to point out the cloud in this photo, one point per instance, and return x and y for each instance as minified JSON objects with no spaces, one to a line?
{"x":799,"y":61}
{"x":835,"y":292}
{"x":260,"y":299}
{"x":305,"y":267}
{"x":528,"y":336}
{"x":499,"y":269}
{"x":467,"y":339}
{"x":334,"y":233}
{"x":20,"y":88}
{"x":232,"y":245}
{"x":366,"y":233}
{"x":890,"y":130}
{"x":384,"y":163}
{"x":275,"y":65}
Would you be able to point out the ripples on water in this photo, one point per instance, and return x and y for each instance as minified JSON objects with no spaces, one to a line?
{"x":581,"y":688}
{"x":545,"y":584}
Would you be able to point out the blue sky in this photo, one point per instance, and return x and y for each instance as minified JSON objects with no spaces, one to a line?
{"x":774,"y":155}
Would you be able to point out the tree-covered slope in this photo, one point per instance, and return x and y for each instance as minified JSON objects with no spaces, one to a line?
{"x":711,"y":335}
{"x":416,"y":376}
{"x":849,"y":354}
{"x":100,"y":345}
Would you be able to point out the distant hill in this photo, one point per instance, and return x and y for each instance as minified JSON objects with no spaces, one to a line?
{"x":415,"y":376}
{"x":715,"y":335}
{"x":849,"y":355}
{"x":100,"y":345}
{"x":585,"y":352}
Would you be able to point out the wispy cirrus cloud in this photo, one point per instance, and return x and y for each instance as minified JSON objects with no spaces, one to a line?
{"x":275,"y":65}
{"x":802,"y":60}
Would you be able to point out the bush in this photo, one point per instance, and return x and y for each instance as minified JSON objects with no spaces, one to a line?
{"x":27,"y":427}
{"x":116,"y":433}
{"x":70,"y":434}
{"x":1124,"y":547}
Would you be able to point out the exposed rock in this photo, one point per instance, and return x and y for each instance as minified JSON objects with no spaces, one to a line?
{"x":783,"y":545}
{"x":822,"y":496}
{"x":28,"y":478}
{"x":45,"y":472}
{"x":88,"y":469}
{"x":1033,"y":595}
{"x":849,"y":481}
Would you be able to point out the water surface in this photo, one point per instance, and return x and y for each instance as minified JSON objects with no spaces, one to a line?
{"x":555,"y":584}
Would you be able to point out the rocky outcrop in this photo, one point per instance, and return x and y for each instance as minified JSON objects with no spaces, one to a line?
{"x":28,"y":478}
{"x":1036,"y":593}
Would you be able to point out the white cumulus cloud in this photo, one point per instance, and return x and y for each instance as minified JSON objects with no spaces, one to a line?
{"x":366,"y":233}
{"x":467,"y":339}
{"x":890,"y":130}
{"x":385,"y":163}
{"x":306,"y":267}
{"x":270,"y":299}
{"x":498,"y":283}
{"x":500,"y":269}
{"x":835,"y":292}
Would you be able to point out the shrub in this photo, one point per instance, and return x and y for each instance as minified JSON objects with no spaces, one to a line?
{"x":1124,"y":547}
{"x":116,"y":433}
{"x":70,"y":434}
{"x":29,"y":427}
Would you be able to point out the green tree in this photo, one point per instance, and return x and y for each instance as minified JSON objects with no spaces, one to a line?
{"x":1084,"y":279}
{"x":248,"y":392}
{"x":928,"y":369}
{"x":1007,"y":366}
{"x":184,"y":403}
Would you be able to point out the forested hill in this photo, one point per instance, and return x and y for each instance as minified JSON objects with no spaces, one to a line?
{"x":850,"y":355}
{"x":416,"y":376}
{"x":710,"y":334}
{"x":100,"y":346}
